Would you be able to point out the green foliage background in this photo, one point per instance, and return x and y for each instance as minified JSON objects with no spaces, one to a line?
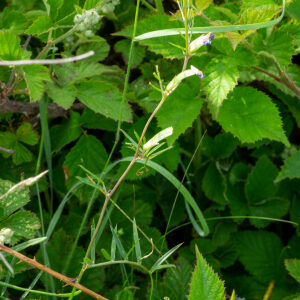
{"x":244,"y":177}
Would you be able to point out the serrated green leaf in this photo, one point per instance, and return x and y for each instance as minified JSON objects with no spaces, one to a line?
{"x":258,"y":14}
{"x":13,"y":21}
{"x":260,"y":183}
{"x":291,"y":168}
{"x":205,"y":283}
{"x":238,"y":203}
{"x":54,"y":6}
{"x":214,"y":184}
{"x":41,"y":25}
{"x":27,"y":135}
{"x":88,"y":152}
{"x":239,"y":173}
{"x":103,"y":98}
{"x":14,"y":200}
{"x":222,"y":233}
{"x":96,"y":44}
{"x":261,"y":254}
{"x":279,"y":46}
{"x":65,"y":132}
{"x":89,"y":4}
{"x":293,"y":266}
{"x":62,"y":96}
{"x":22,"y":154}
{"x":10,"y":46}
{"x":294,"y":9}
{"x":34,"y":77}
{"x":24,"y":224}
{"x":180,"y":109}
{"x":203,"y":4}
{"x":244,"y":115}
{"x":220,"y":78}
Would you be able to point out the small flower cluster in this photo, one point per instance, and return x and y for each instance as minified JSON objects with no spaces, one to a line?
{"x":108,"y":6}
{"x":86,"y":22}
{"x":5,"y":235}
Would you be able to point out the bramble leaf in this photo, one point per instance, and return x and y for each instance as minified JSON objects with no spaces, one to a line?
{"x":291,"y":168}
{"x":34,"y":77}
{"x":103,"y":98}
{"x":41,"y":25}
{"x":180,"y":109}
{"x":13,"y":21}
{"x":261,"y":254}
{"x":243,"y":114}
{"x":205,"y":283}
{"x":221,"y":78}
{"x":293,"y":266}
{"x":10,"y":46}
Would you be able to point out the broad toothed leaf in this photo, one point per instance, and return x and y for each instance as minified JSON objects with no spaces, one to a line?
{"x":244,"y":115}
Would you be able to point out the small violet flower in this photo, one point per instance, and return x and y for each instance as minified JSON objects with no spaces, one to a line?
{"x":200,"y":41}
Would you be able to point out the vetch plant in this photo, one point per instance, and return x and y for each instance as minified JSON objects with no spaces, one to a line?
{"x":219,"y":128}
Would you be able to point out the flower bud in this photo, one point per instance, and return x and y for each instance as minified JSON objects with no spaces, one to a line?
{"x":173,"y":84}
{"x":200,"y":41}
{"x":77,"y":19}
{"x":89,"y":33}
{"x":158,"y":137}
{"x":5,"y":235}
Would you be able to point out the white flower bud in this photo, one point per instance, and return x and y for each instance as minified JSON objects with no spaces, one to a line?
{"x":5,"y":235}
{"x":200,"y":41}
{"x":81,"y":27}
{"x":89,"y":33}
{"x":77,"y":19}
{"x":173,"y":84}
{"x":158,"y":137}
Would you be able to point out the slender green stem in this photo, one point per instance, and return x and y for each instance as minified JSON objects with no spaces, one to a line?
{"x":152,"y":287}
{"x":186,"y":27}
{"x":35,"y":291}
{"x":125,"y":84}
{"x":159,"y":6}
{"x":148,"y":5}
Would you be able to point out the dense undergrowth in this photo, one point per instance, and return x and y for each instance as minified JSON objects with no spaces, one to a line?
{"x":214,"y":182}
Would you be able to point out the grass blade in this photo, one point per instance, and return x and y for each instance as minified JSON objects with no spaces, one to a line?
{"x":137,"y":245}
{"x":227,"y":28}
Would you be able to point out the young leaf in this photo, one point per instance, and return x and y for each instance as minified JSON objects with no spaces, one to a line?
{"x":34,"y":77}
{"x":157,"y":264}
{"x":41,"y":25}
{"x":63,"y":96}
{"x":205,"y":283}
{"x":291,"y":168}
{"x":293,"y":266}
{"x":261,"y":254}
{"x":27,"y":135}
{"x":103,"y":98}
{"x":221,"y":78}
{"x":10,"y":46}
{"x":243,"y":114}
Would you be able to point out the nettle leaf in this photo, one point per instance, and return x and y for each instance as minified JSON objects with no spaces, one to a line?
{"x":41,"y":25}
{"x":65,"y":132}
{"x":10,"y":46}
{"x":88,"y":152}
{"x":221,"y":78}
{"x":34,"y":77}
{"x":13,"y":21}
{"x":214,"y":184}
{"x":261,"y":254}
{"x":244,"y":115}
{"x":293,"y":266}
{"x":103,"y":98}
{"x":291,"y":168}
{"x":205,"y":283}
{"x":24,"y":224}
{"x":180,"y":109}
{"x":278,"y":46}
{"x":62,"y":96}
{"x":27,"y":135}
{"x":12,"y":201}
{"x":260,"y":183}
